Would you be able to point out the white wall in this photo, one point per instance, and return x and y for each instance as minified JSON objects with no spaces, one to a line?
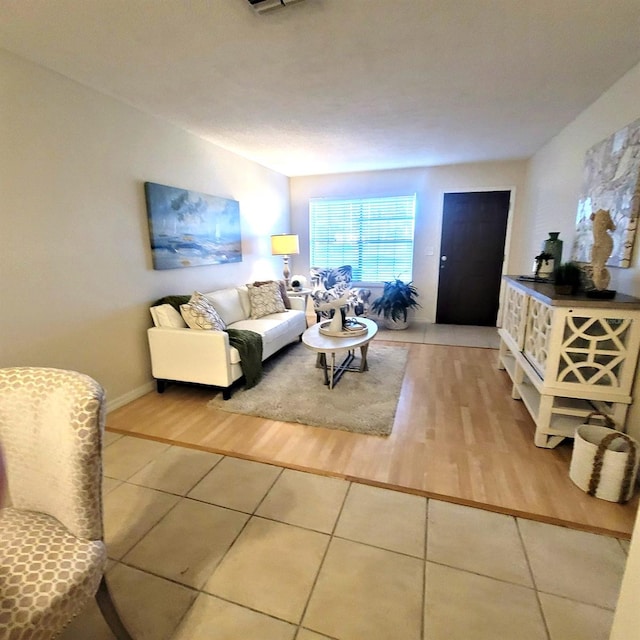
{"x":76,"y":276}
{"x":430,"y":185}
{"x":555,"y":175}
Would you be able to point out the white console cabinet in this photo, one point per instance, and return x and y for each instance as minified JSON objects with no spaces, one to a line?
{"x":568,"y":356}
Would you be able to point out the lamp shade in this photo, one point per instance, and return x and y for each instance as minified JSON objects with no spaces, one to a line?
{"x":285,"y":244}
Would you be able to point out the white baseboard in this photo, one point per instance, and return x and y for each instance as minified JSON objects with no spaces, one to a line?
{"x":130,"y":396}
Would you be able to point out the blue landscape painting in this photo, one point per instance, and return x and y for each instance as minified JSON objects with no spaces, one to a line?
{"x":190,"y":229}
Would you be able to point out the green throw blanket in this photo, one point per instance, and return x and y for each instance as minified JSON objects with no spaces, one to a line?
{"x":248,"y":344}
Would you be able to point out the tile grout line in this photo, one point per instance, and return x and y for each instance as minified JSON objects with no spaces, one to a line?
{"x":324,"y":556}
{"x":200,"y":590}
{"x":533,"y":580}
{"x":423,"y":621}
{"x":182,"y":497}
{"x":235,"y":540}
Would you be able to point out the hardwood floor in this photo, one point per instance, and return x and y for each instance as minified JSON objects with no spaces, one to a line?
{"x":457,"y":436}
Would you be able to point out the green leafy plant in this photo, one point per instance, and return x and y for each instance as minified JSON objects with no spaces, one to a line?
{"x":396,"y":300}
{"x":568,"y":276}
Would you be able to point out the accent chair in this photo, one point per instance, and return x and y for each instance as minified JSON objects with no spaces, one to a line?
{"x":52,"y":551}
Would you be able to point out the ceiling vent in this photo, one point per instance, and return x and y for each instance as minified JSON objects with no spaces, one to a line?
{"x":260,"y":6}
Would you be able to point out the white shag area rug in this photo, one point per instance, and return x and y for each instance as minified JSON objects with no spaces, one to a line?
{"x":292,"y":390}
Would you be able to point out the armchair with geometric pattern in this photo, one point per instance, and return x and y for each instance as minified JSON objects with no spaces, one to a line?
{"x":52,"y":551}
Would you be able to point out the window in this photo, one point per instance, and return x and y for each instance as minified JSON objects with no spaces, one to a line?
{"x":373,"y":235}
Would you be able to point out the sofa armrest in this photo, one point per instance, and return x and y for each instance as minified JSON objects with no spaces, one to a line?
{"x":191,"y":355}
{"x":298,"y":303}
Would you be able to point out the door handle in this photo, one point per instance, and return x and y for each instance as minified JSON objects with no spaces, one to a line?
{"x":443,"y":259}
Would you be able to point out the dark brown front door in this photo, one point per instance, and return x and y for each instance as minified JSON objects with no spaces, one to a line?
{"x":471,"y":255}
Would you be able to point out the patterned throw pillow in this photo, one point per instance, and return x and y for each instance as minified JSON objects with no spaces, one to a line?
{"x":199,"y":313}
{"x":265,"y":299}
{"x":283,"y":290}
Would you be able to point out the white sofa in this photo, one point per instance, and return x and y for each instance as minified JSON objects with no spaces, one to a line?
{"x":205,"y":356}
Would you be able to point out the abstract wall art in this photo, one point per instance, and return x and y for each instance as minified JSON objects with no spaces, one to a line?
{"x":611,"y":181}
{"x":190,"y":229}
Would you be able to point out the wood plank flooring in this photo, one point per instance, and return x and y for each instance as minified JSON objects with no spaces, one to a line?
{"x":457,"y":436}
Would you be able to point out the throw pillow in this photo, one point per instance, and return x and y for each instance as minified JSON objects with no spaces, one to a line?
{"x":283,"y":290}
{"x":167,"y":316}
{"x":199,"y":313}
{"x":265,"y":299}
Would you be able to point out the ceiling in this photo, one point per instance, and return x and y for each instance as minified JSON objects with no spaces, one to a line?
{"x":331,"y":86}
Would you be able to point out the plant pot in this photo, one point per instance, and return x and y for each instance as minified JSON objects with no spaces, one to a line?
{"x":395,"y":325}
{"x":563,"y":289}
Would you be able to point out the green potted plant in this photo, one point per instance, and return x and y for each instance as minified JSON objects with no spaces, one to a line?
{"x":394,"y":303}
{"x":567,"y":278}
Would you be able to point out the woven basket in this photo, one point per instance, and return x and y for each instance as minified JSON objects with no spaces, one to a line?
{"x":604,"y":461}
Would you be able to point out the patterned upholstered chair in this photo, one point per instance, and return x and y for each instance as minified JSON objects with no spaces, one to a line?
{"x":333,"y":283}
{"x":52,"y":553}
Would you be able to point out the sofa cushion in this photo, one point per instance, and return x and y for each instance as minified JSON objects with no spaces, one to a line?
{"x":165,"y":315}
{"x":269,"y":327}
{"x":265,"y":300}
{"x":243,"y":294}
{"x":199,"y":313}
{"x":227,"y":303}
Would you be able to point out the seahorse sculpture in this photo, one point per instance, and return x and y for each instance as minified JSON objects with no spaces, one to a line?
{"x":602,"y":248}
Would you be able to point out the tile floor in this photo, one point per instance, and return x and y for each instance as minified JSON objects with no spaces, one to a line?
{"x":449,"y":334}
{"x":209,"y":547}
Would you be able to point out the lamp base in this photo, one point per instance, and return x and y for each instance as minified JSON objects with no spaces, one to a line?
{"x":286,"y":272}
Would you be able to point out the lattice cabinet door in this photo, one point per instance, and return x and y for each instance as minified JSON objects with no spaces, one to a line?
{"x":515,"y":314}
{"x":538,"y":333}
{"x":598,"y":352}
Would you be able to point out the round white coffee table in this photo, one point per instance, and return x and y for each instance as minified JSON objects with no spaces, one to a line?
{"x":327,"y":346}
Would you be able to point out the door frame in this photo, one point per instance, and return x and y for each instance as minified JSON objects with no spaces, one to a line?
{"x":507,"y":236}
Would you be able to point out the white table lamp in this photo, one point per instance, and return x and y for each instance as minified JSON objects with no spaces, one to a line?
{"x":285,"y":245}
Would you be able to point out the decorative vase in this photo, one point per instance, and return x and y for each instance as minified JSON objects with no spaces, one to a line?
{"x":553,"y":245}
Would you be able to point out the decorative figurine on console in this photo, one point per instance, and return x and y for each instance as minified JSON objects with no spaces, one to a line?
{"x":600,"y":252}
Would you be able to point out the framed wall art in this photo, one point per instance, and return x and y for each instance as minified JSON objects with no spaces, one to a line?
{"x":190,"y":229}
{"x":611,"y":181}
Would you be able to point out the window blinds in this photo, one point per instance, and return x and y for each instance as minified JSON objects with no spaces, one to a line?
{"x":373,"y":235}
